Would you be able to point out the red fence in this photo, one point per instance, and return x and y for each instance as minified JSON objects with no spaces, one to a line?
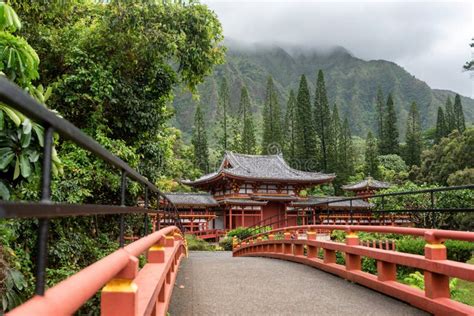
{"x":127,"y":290}
{"x":208,"y":233}
{"x":437,"y":269}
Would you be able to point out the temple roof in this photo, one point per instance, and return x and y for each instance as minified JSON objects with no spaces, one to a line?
{"x":193,"y":199}
{"x":261,"y":167}
{"x":321,"y":201}
{"x":368,"y":183}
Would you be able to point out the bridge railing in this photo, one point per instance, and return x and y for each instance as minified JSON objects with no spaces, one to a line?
{"x":283,"y":243}
{"x":127,"y":290}
{"x":384,"y":216}
{"x":45,"y":209}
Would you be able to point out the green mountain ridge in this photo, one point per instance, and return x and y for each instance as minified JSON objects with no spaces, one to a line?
{"x":351,"y":84}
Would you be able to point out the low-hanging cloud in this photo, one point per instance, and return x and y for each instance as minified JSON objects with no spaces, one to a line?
{"x":429,"y":39}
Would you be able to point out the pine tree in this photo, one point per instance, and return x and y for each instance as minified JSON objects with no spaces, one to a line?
{"x":322,"y":117}
{"x":449,"y":116}
{"x":223,"y":116}
{"x":345,"y":156}
{"x":334,"y":137}
{"x":441,"y":129}
{"x":248,"y":141}
{"x":305,"y":139}
{"x":290,"y":130}
{"x":389,"y":141}
{"x":371,"y":159}
{"x":199,"y":141}
{"x":459,"y":119}
{"x":272,"y":139}
{"x":380,"y":112}
{"x":413,"y":137}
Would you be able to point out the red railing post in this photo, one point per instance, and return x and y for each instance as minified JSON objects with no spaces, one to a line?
{"x":312,"y":250}
{"x":119,"y":295}
{"x":436,"y":285}
{"x":352,"y":261}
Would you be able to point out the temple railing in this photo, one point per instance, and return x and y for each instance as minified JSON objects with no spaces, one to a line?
{"x":45,"y":209}
{"x":351,"y":213}
{"x":286,"y":243}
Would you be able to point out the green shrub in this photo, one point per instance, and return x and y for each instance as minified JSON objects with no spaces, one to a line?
{"x":459,"y":250}
{"x":226,"y":243}
{"x":197,"y":244}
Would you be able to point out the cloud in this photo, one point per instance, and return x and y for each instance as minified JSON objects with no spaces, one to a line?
{"x":429,"y":39}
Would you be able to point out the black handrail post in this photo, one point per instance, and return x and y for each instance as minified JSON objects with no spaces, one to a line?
{"x":42,"y":243}
{"x":350,"y":210}
{"x":433,"y":220}
{"x":145,"y":231}
{"x":123,"y":188}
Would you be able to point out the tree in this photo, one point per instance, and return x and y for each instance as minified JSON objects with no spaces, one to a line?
{"x":290,"y":129}
{"x":345,"y":151}
{"x":459,"y":119}
{"x":380,"y":112}
{"x":371,"y":161}
{"x":223,"y":116}
{"x":469,"y":65}
{"x":452,"y":154}
{"x":249,"y":142}
{"x":272,"y":139}
{"x":450,"y":117}
{"x":441,"y":128}
{"x":305,"y":138}
{"x":413,"y":137}
{"x":333,"y":138}
{"x":389,"y":141}
{"x":199,"y":141}
{"x":322,"y":117}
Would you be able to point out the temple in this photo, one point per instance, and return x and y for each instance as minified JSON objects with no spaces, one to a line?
{"x":250,"y":190}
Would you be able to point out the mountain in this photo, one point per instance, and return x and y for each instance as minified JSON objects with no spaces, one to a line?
{"x":351,"y":84}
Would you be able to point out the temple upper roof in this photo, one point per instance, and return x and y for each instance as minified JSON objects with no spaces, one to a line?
{"x":368,"y":183}
{"x":261,"y":167}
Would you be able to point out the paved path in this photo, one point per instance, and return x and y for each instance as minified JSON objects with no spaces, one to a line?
{"x":217,"y":284}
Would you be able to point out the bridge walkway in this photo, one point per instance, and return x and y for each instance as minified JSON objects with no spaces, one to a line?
{"x":215,"y":283}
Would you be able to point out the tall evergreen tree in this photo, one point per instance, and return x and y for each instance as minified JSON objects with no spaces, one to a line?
{"x":441,"y":128}
{"x":413,"y":137}
{"x":371,"y":158}
{"x":389,"y":141}
{"x":290,"y":129}
{"x":345,"y":156}
{"x":272,"y":139}
{"x":248,"y":142}
{"x":450,"y":117}
{"x":199,"y":141}
{"x":380,"y":100}
{"x":305,"y":139}
{"x":223,"y":132}
{"x":334,"y":137}
{"x":459,"y":119}
{"x":322,"y":117}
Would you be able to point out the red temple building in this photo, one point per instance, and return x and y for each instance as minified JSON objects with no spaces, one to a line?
{"x":366,"y":187}
{"x":248,"y":189}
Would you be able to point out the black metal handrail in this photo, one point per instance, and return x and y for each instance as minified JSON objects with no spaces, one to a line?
{"x":15,"y":97}
{"x":268,"y":221}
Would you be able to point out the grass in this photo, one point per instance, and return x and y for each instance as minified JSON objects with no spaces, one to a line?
{"x":197,"y":244}
{"x":466,"y":288}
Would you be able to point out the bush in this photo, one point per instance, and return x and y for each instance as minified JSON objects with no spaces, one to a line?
{"x":226,"y":243}
{"x":197,"y":244}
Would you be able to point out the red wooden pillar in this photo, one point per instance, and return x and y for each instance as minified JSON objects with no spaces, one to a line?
{"x":230,"y":218}
{"x":436,"y":285}
{"x":352,"y":261}
{"x":120,"y":295}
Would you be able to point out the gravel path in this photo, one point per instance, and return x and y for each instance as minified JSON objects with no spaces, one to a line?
{"x":215,"y":283}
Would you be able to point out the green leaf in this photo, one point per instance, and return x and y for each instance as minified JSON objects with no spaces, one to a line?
{"x":4,"y":192}
{"x":26,"y":126}
{"x":25,"y":140}
{"x":39,"y":133}
{"x":13,"y":115}
{"x":18,"y":279}
{"x":6,"y":156}
{"x":25,"y":166}
{"x":2,"y":122}
{"x":16,"y":173}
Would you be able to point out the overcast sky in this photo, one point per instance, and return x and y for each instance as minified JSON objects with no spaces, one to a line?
{"x":429,"y":39}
